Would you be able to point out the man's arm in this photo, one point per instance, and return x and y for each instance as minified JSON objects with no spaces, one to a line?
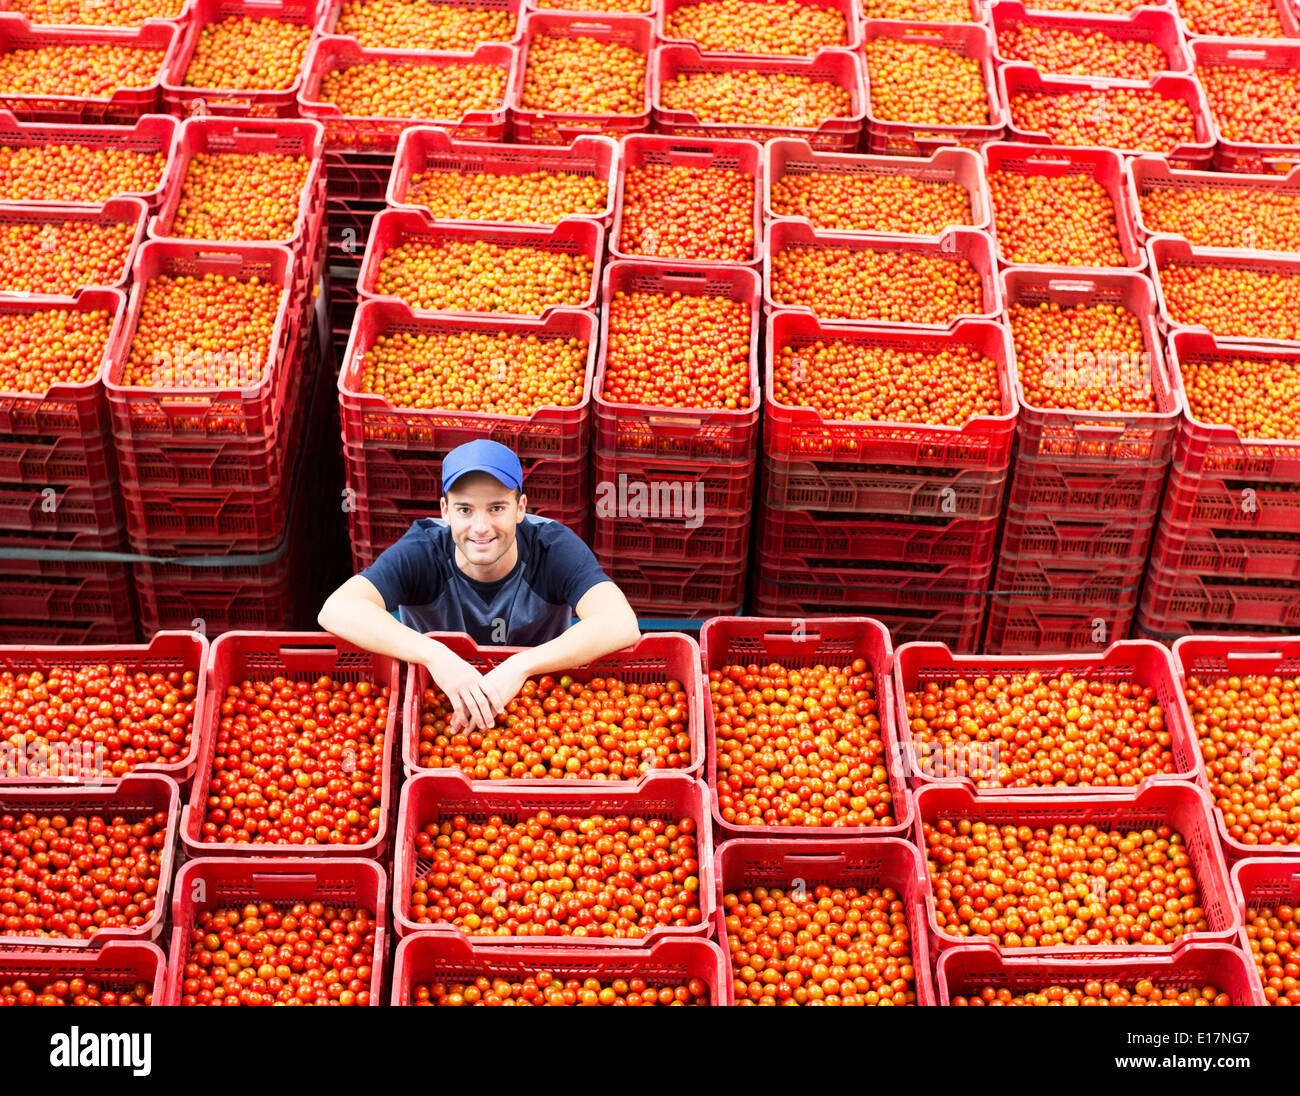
{"x":356,"y":612}
{"x":606,"y":622}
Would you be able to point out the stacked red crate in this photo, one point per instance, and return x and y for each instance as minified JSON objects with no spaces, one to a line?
{"x":214,"y":451}
{"x":1226,"y":557}
{"x":860,"y":513}
{"x":363,"y":126}
{"x":677,"y":389}
{"x":71,"y":242}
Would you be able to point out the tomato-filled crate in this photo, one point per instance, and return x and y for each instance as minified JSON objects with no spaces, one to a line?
{"x":454,"y":25}
{"x":1267,"y":887}
{"x":1247,"y":138}
{"x":681,"y":160}
{"x":376,"y":422}
{"x":121,"y":972}
{"x":803,"y":871}
{"x":684,"y":67}
{"x":791,"y":164}
{"x":301,"y":659}
{"x":989,"y":766}
{"x":427,"y":961}
{"x":370,"y":129}
{"x":653,"y":660}
{"x":165,"y":653}
{"x":212,"y":884}
{"x":1180,"y":808}
{"x":799,"y":646}
{"x":43,"y":244}
{"x":967,"y":973}
{"x":148,"y":800}
{"x":152,"y":47}
{"x":676,"y":433}
{"x":661,"y":802}
{"x":841,"y":18}
{"x":429,"y":162}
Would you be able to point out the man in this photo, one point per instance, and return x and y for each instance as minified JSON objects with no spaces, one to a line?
{"x":488,"y":568}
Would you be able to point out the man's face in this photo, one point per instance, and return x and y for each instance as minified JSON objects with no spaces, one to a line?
{"x":483,"y":515}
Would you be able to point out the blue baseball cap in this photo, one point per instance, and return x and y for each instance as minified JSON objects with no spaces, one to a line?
{"x":482,"y":456}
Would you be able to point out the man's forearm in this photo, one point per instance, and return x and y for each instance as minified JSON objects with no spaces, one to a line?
{"x":375,"y":629}
{"x":585,"y":642}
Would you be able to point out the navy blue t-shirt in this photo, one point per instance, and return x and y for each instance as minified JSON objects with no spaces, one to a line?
{"x":533,"y":604}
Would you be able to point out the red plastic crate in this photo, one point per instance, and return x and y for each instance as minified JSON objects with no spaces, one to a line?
{"x":678,"y":589}
{"x":1286,"y":13}
{"x":841,"y":67}
{"x":214,"y":882}
{"x":1028,"y":626}
{"x":118,"y":966}
{"x":297,"y":656}
{"x":1215,"y":449}
{"x":1145,"y":663}
{"x":1056,"y":583}
{"x":382,"y":523}
{"x":885,"y":862}
{"x":1042,"y":489}
{"x":432,"y":796}
{"x":1217,"y":553}
{"x":60,"y":510}
{"x":1181,"y":806}
{"x":1119,"y":440}
{"x":134,"y":797}
{"x":87,"y":11}
{"x":327,"y":22}
{"x":723,"y":539}
{"x":1152,"y":25}
{"x":430,"y":957}
{"x":75,"y":461}
{"x":1269,"y":54}
{"x":959,"y":628}
{"x":1146,"y":175}
{"x":409,"y":476}
{"x":954,"y":588}
{"x":956,"y":245}
{"x":649,"y":432}
{"x":76,"y":412}
{"x":1208,"y":657}
{"x":350,"y":174}
{"x":288,"y":137}
{"x":643,"y":150}
{"x":542,"y":127}
{"x":1079,"y":539}
{"x":1167,"y":250}
{"x":656,"y":657}
{"x":898,"y":138}
{"x":1204,"y":600}
{"x":182,"y":99}
{"x":426,"y":149}
{"x":850,"y":10}
{"x":125,"y":210}
{"x":69,"y":632}
{"x":274,"y":602}
{"x":785,"y":157}
{"x":165,"y":652}
{"x":1016,"y":78}
{"x":103,"y":597}
{"x":150,"y":134}
{"x":1230,"y":504}
{"x":121,"y":106}
{"x":803,"y":533}
{"x":798,"y":644}
{"x":1102,"y":166}
{"x":1268,"y":882}
{"x":394,"y":227}
{"x":351,"y":134}
{"x":881,"y":491}
{"x":964,"y":970}
{"x":550,"y":433}
{"x":800,"y":433}
{"x":644,"y":488}
{"x":194,"y":413}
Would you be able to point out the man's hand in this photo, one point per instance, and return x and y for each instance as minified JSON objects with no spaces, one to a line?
{"x":464,"y":687}
{"x":503,"y":682}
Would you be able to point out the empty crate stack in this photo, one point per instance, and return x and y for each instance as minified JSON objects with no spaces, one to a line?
{"x":890,"y":407}
{"x":477,"y":319}
{"x":212,"y":392}
{"x":677,"y":389}
{"x":366,"y":78}
{"x":73,"y":208}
